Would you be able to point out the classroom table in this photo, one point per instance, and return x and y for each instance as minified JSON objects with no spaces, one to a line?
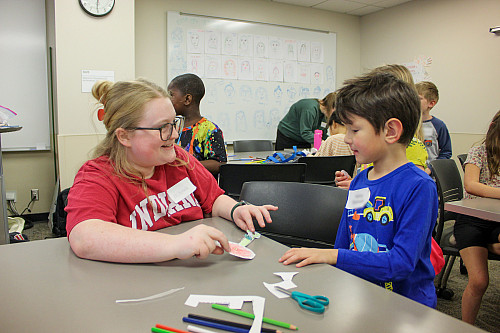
{"x":247,"y":157}
{"x":483,"y":208}
{"x":44,"y":287}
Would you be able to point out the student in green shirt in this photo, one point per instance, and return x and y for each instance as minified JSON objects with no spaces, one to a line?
{"x":304,"y":117}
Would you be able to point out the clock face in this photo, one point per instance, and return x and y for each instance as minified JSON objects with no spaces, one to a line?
{"x":97,"y":7}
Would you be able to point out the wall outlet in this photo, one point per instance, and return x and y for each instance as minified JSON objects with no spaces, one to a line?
{"x":34,"y":194}
{"x":11,"y":196}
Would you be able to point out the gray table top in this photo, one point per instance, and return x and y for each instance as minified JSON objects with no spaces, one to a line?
{"x":44,"y":287}
{"x":484,"y":208}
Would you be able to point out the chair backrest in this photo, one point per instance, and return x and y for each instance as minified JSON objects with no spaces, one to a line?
{"x":308,"y":214}
{"x":449,"y":187}
{"x":462,"y":158}
{"x":252,"y":145}
{"x":232,"y":176}
{"x":321,"y":169}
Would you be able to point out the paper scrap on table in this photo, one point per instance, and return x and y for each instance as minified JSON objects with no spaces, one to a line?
{"x":233,"y":302}
{"x":287,"y":283}
{"x":168,"y":292}
{"x":249,"y":237}
{"x":240,"y":251}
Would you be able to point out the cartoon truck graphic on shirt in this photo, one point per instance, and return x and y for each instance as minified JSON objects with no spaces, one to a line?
{"x":378,"y":211}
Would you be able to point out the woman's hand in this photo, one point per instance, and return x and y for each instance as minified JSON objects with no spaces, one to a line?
{"x":243,"y":216}
{"x":308,"y":256}
{"x":200,"y":241}
{"x":342,"y":179}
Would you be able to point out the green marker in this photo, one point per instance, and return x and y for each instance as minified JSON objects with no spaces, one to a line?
{"x":252,"y":316}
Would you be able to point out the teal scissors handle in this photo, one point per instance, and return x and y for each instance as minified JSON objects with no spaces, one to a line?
{"x":311,"y":303}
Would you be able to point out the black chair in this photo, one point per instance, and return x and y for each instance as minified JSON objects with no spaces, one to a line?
{"x":308,"y":214}
{"x":232,"y":176}
{"x":240,"y":146}
{"x":462,"y":158}
{"x":450,"y":188}
{"x":321,"y":169}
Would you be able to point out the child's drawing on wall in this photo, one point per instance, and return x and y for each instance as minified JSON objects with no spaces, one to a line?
{"x":316,"y":73}
{"x":258,"y":119}
{"x":261,"y":95}
{"x":195,"y":64}
{"x":304,"y":53}
{"x":241,"y":121}
{"x":317,"y":52}
{"x":229,"y":68}
{"x":230,"y":93}
{"x":275,"y":48}
{"x":195,"y":41}
{"x":276,"y":70}
{"x":229,"y":43}
{"x":245,"y":69}
{"x":213,"y":67}
{"x":260,"y":72}
{"x":246,"y":93}
{"x":245,"y":45}
{"x":290,"y":49}
{"x":290,"y":71}
{"x":212,"y":42}
{"x":260,"y":43}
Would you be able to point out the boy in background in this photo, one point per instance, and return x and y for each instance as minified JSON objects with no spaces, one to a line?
{"x":386,"y":228}
{"x":436,"y":137}
{"x":200,"y":137}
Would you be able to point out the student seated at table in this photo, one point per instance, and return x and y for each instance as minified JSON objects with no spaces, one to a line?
{"x":476,"y":236}
{"x":200,"y":137}
{"x":140,"y":181}
{"x":334,"y":145}
{"x":386,"y":229}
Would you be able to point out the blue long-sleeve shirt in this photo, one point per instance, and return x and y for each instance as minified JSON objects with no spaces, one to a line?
{"x":436,"y":139}
{"x":388,"y":240}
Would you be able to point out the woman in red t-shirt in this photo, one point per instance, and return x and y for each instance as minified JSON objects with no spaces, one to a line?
{"x":140,"y":180}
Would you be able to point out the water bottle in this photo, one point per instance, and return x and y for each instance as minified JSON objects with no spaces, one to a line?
{"x":318,"y":135}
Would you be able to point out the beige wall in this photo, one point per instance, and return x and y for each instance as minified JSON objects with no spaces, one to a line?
{"x":85,"y":42}
{"x":465,"y":67}
{"x":151,"y":29}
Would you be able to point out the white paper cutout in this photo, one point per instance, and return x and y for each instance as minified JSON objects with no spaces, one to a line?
{"x":233,"y":302}
{"x":168,"y":292}
{"x":287,"y":283}
{"x":229,"y":43}
{"x":196,"y":64}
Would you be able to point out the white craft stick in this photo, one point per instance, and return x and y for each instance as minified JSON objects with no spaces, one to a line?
{"x":171,"y":291}
{"x":196,"y":329}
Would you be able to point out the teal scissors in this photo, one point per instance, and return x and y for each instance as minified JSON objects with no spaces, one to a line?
{"x":308,"y":302}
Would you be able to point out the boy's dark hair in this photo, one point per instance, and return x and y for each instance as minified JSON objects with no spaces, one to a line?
{"x":378,"y":97}
{"x":189,"y":84}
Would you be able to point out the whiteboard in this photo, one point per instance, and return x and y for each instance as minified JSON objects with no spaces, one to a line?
{"x":23,"y":74}
{"x":253,"y":72}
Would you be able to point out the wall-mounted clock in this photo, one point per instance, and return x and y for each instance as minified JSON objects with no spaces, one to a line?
{"x":97,"y":8}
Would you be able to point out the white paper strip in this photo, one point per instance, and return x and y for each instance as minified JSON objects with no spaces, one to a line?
{"x":171,"y":291}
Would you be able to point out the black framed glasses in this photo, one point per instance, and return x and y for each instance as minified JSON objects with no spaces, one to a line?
{"x":165,"y":130}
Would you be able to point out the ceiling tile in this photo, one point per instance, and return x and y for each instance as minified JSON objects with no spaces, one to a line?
{"x":365,"y":10}
{"x":340,"y":6}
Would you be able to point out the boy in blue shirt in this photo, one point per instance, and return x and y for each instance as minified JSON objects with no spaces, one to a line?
{"x":386,"y":228}
{"x":436,"y":136}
